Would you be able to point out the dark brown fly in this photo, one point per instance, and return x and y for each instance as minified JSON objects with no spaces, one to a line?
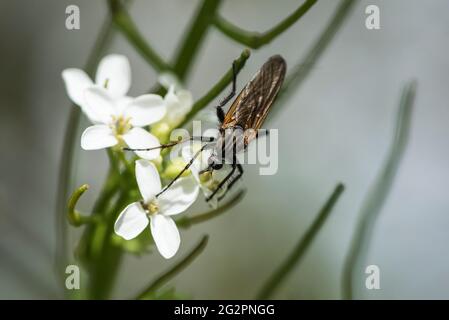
{"x":247,"y":113}
{"x":251,"y":106}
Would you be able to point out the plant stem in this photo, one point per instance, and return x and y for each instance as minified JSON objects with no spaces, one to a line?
{"x":379,"y":191}
{"x":300,"y":72}
{"x":173,"y":271}
{"x":217,"y":88}
{"x":68,"y":155}
{"x":298,"y":252}
{"x":125,"y":24}
{"x":256,"y":40}
{"x":195,"y":36}
{"x":187,"y":222}
{"x":106,"y":257}
{"x":74,"y":217}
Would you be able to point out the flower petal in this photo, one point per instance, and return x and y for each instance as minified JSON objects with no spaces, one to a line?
{"x":180,"y":196}
{"x":100,"y":105}
{"x":114,"y":72}
{"x":178,"y":105}
{"x":138,"y":138}
{"x":145,"y":110}
{"x":98,"y":137}
{"x":148,"y":179}
{"x":76,"y":81}
{"x":165,"y":235}
{"x":131,"y":222}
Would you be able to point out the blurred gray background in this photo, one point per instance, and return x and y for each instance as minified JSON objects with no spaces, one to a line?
{"x":336,"y":127}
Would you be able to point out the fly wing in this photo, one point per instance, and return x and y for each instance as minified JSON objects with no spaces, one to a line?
{"x":251,"y":107}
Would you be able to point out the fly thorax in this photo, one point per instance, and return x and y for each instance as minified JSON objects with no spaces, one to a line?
{"x":230,"y":143}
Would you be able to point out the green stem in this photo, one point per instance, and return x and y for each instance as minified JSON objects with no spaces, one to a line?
{"x":256,"y":40}
{"x":195,"y":36}
{"x":173,"y":271}
{"x":379,"y":191}
{"x":187,"y":222}
{"x":128,"y":166}
{"x":301,"y":248}
{"x":125,"y":24}
{"x":300,"y":72}
{"x":86,"y":248}
{"x":217,"y":88}
{"x":106,"y":257}
{"x":68,"y":155}
{"x":74,"y":216}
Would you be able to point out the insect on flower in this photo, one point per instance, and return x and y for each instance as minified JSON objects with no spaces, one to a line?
{"x":239,"y":125}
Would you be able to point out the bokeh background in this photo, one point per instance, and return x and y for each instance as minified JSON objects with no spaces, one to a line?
{"x":336,"y":127}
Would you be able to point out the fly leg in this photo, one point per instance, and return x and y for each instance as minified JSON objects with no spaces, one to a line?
{"x":171,"y":144}
{"x":221,"y":184}
{"x":234,"y":180}
{"x":183,"y":170}
{"x":220,"y":112}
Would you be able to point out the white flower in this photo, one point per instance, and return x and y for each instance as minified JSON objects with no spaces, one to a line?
{"x":120,"y":120}
{"x":117,"y":118}
{"x":178,"y":100}
{"x":156,"y":211}
{"x":114,"y":73}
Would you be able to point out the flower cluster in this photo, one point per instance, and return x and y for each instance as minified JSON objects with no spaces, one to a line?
{"x":119,"y":121}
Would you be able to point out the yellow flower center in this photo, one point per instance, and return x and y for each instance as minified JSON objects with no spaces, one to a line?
{"x":151,"y":208}
{"x":120,"y":125}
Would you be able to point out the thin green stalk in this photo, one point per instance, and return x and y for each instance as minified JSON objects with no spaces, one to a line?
{"x":378,"y":192}
{"x":106,"y":257}
{"x":195,"y":36}
{"x":125,"y":24}
{"x":300,"y":72}
{"x":256,"y":40}
{"x":298,"y":252}
{"x":129,"y":168}
{"x":173,"y":271}
{"x":217,"y":88}
{"x":74,"y":217}
{"x":68,"y":154}
{"x":187,"y":222}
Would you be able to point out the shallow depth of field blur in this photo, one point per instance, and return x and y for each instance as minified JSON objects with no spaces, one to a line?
{"x":336,"y":127}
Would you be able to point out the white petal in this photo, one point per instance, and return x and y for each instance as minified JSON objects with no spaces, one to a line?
{"x":138,"y":138}
{"x":148,"y":179}
{"x":100,"y":105}
{"x":98,"y":137}
{"x":180,"y":196}
{"x":145,"y":110}
{"x":178,"y":105}
{"x":76,"y":81}
{"x":122,"y":103}
{"x":186,"y":100}
{"x":165,"y":235}
{"x":115,"y":71}
{"x":131,"y":222}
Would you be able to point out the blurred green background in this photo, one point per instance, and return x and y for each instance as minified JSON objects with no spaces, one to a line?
{"x":336,"y":127}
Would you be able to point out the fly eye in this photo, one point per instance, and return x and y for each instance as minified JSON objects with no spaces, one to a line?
{"x":217,"y":166}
